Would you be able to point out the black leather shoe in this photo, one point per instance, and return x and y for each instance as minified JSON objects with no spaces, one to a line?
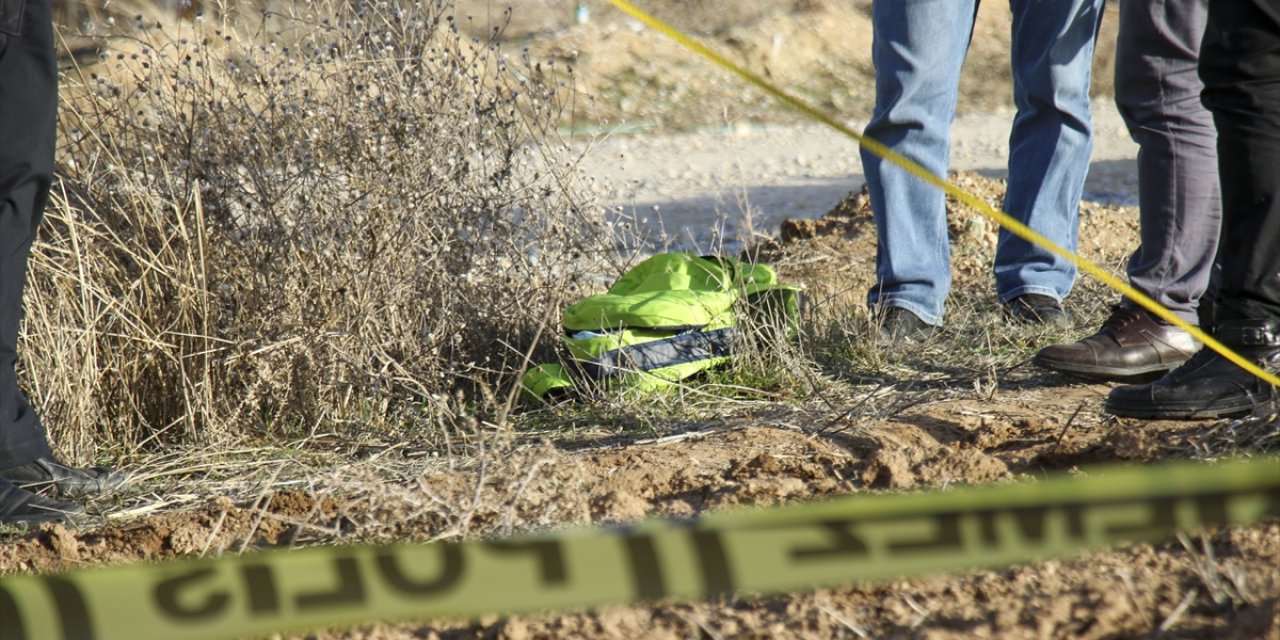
{"x":47,"y":476}
{"x":1035,"y":308}
{"x":21,"y":507}
{"x":896,"y":324}
{"x":1208,"y":385}
{"x":1131,"y":343}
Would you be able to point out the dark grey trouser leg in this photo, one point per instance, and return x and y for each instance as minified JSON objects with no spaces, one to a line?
{"x":1158,"y":94}
{"x":28,"y":112}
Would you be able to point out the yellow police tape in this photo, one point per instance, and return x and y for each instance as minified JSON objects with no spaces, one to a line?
{"x":1003,"y":219}
{"x":852,"y":539}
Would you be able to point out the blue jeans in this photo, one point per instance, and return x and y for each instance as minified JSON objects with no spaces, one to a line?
{"x":918,"y":50}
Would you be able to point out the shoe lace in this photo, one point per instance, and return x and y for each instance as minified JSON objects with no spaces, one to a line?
{"x":1201,"y":357}
{"x":1121,"y":317}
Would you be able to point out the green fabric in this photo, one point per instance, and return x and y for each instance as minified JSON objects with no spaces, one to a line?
{"x":672,"y":290}
{"x":661,"y":298}
{"x":544,"y":379}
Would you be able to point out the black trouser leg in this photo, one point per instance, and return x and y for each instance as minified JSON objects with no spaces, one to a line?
{"x":28,"y":112}
{"x":1240,"y":67}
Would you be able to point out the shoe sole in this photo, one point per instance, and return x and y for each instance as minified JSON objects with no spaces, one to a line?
{"x":1049,"y":323}
{"x":1057,"y":319}
{"x":68,"y":518}
{"x":1184,"y":412}
{"x":1103,"y":373}
{"x":30,"y":522}
{"x":914,"y":337}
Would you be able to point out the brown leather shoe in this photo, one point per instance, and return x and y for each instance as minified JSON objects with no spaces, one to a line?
{"x":1131,"y":343}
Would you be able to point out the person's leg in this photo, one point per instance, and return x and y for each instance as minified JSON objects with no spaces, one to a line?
{"x":28,"y":109}
{"x":1241,"y":71}
{"x":1050,"y":144}
{"x":28,"y":118}
{"x":1240,"y":66}
{"x":1158,"y":95}
{"x":28,"y":106}
{"x":918,"y":50}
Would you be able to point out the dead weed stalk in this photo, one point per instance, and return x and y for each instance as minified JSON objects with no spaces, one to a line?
{"x":331,"y":213}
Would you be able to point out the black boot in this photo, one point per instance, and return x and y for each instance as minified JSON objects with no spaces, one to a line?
{"x":1208,"y":385}
{"x":47,"y":476}
{"x":21,"y":507}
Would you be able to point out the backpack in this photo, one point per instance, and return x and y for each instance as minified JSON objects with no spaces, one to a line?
{"x":670,"y":317}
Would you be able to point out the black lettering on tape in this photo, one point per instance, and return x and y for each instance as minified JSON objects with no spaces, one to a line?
{"x":1160,"y":521}
{"x":717,"y":578}
{"x":844,"y":543}
{"x":389,"y":566}
{"x":1032,"y":524}
{"x":168,"y":597}
{"x":1212,"y":510}
{"x":11,"y":627}
{"x":349,"y":590}
{"x":1075,"y":520}
{"x":73,"y":613}
{"x":549,"y":553}
{"x":946,"y":537}
{"x":1273,"y":502}
{"x":645,"y":569}
{"x":264,"y":596}
{"x":1215,"y":509}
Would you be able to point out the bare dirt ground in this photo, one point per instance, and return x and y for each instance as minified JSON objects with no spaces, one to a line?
{"x":878,"y":422}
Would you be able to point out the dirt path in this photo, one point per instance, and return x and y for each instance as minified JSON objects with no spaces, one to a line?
{"x":736,"y":181}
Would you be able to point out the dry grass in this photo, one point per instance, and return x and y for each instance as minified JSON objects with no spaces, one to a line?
{"x":273,"y":221}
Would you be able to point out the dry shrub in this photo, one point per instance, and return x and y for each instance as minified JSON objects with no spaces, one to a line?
{"x":336,"y":213}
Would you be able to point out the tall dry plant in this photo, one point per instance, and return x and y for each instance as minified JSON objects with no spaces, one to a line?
{"x":334,"y":213}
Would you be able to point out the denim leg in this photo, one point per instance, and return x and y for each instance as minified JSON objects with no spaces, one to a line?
{"x":1179,"y":202}
{"x":918,"y":50}
{"x":1050,"y":143}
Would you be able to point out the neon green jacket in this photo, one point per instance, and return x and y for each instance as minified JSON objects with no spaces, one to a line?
{"x":670,"y":317}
